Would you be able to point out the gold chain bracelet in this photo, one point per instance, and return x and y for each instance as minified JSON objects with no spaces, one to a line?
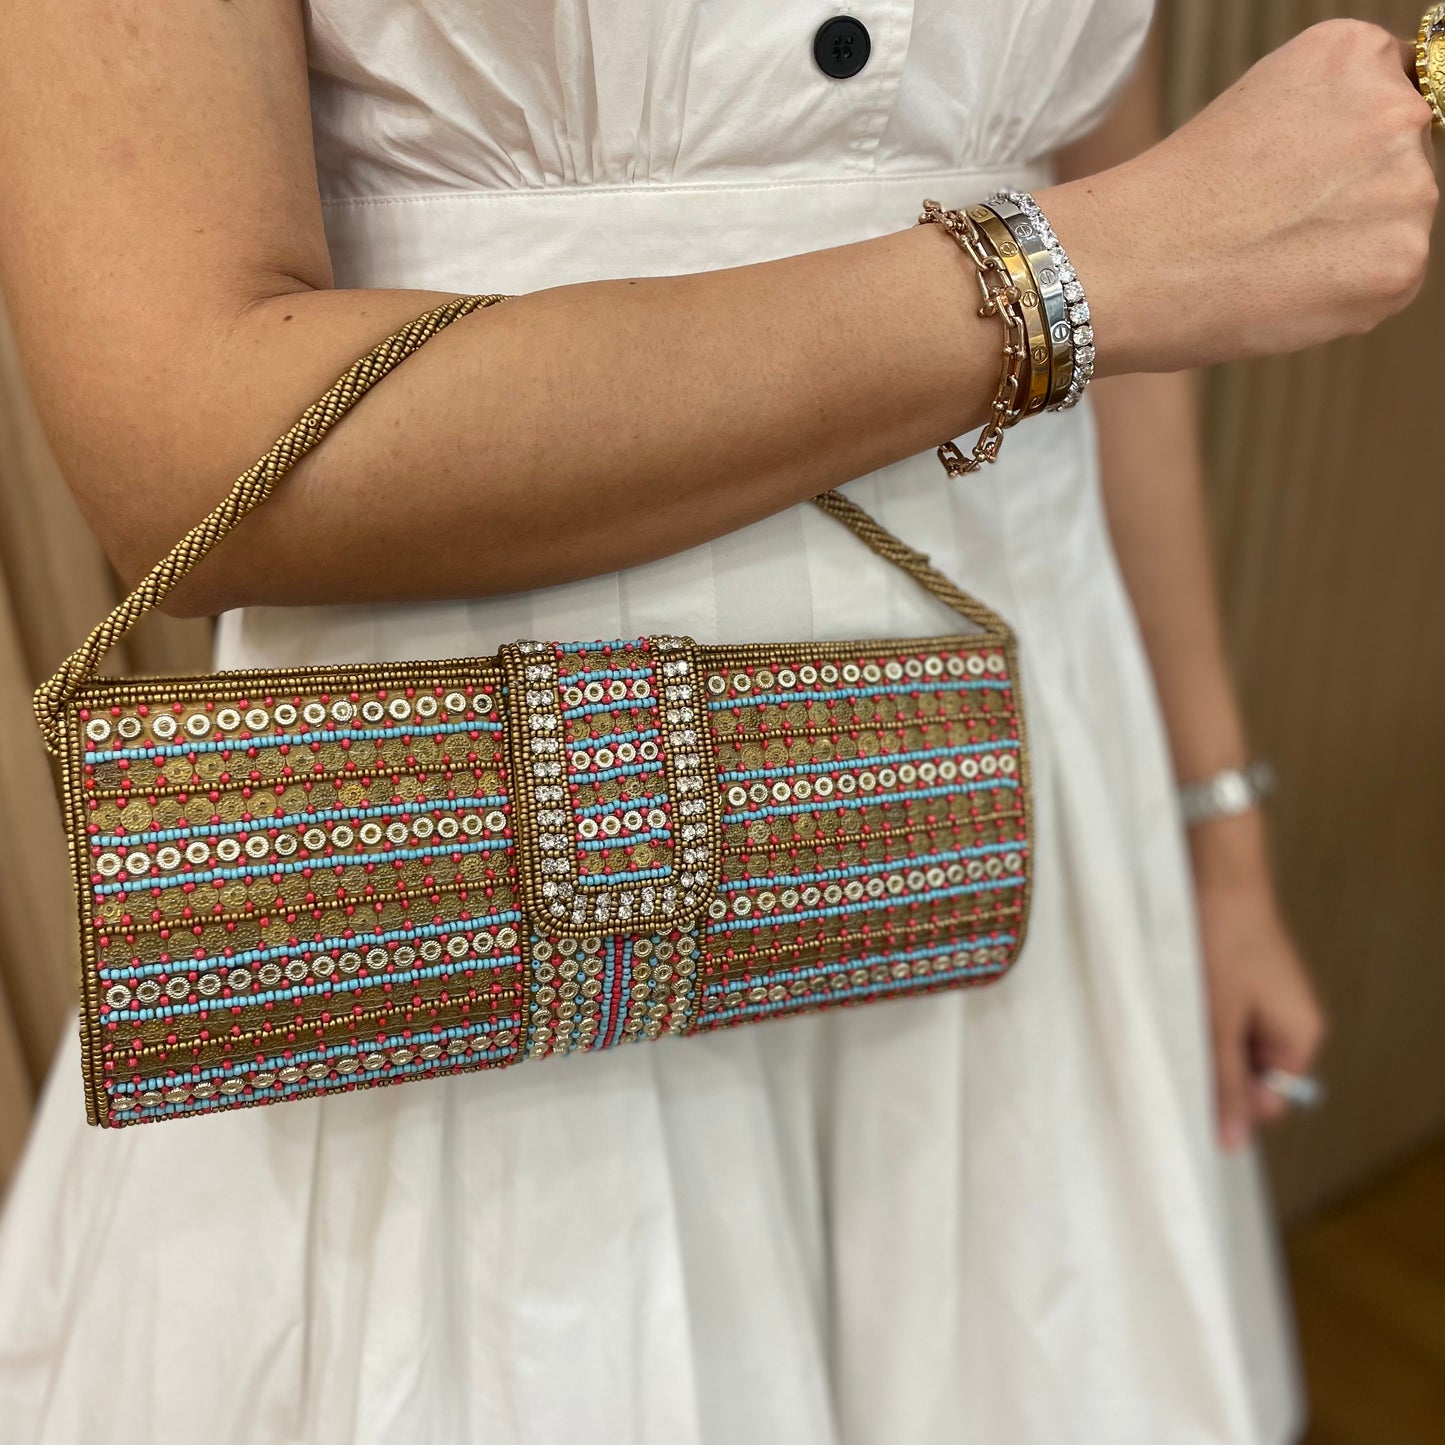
{"x":1001,"y":298}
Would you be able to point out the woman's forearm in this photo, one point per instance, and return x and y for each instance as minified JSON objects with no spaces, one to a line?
{"x":563,"y":433}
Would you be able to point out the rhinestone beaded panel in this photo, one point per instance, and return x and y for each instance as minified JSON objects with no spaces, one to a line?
{"x":336,"y":878}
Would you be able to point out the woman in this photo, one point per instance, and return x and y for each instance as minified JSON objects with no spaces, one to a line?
{"x":993,"y":1217}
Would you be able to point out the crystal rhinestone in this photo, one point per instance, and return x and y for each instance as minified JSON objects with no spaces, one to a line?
{"x":1083,"y":336}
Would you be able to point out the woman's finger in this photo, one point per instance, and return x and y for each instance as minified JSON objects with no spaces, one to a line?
{"x":1232,"y":1082}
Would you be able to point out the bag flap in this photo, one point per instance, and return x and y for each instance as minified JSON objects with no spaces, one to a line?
{"x":615,"y":809}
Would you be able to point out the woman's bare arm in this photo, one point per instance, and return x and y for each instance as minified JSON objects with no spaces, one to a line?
{"x":163,"y":260}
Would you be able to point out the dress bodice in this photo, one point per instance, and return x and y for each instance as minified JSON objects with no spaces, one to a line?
{"x":459,"y":95}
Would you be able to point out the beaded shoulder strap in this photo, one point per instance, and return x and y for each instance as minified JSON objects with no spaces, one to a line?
{"x":257,"y":483}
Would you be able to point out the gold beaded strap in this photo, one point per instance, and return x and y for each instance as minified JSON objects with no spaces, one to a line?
{"x":880,"y":540}
{"x":257,"y":483}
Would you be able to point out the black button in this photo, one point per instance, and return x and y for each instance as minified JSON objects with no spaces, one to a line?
{"x":841,"y":47}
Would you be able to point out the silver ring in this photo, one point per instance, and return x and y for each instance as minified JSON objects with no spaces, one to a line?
{"x":1303,"y":1090}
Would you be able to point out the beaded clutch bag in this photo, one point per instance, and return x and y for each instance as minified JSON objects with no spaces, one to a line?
{"x":296,"y":882}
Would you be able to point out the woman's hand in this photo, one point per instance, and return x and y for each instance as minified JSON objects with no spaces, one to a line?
{"x":1263,"y":1010}
{"x":1294,"y":209}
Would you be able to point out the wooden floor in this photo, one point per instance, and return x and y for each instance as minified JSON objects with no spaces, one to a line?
{"x":1369,"y":1284}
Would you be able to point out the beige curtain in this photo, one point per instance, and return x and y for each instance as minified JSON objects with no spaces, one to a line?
{"x":1329,"y":504}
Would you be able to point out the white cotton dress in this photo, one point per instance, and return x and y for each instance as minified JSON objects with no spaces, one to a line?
{"x":993,"y":1217}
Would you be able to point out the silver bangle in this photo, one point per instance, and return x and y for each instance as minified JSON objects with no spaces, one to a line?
{"x":1226,"y":794}
{"x":1078,"y":304}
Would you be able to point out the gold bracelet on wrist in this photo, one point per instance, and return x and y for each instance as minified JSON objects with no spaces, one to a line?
{"x":1001,"y":298}
{"x":1021,"y":273}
